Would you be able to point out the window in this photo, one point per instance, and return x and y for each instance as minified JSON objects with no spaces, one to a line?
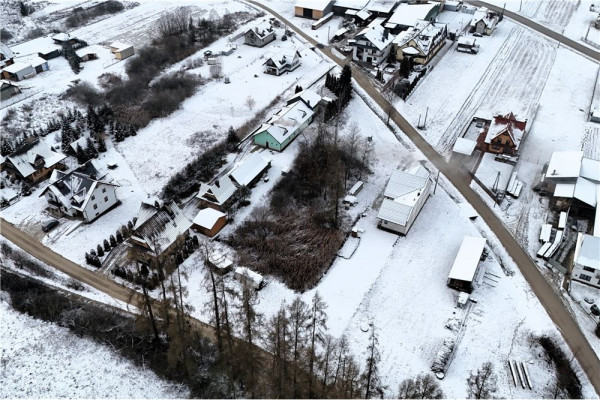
{"x":585,"y":277}
{"x":103,"y":190}
{"x":93,"y":197}
{"x":95,"y":206}
{"x":105,"y":199}
{"x":588,"y":269}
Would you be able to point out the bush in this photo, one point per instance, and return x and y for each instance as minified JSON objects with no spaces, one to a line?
{"x":565,"y":375}
{"x":85,"y":94}
{"x":81,"y":17}
{"x":5,"y":35}
{"x":35,"y":33}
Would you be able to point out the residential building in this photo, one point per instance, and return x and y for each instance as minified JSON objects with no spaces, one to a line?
{"x":284,"y":61}
{"x":311,"y":98}
{"x":250,"y":170}
{"x":260,"y":35}
{"x":121,"y":50}
{"x":209,"y":221}
{"x":484,"y":21}
{"x":465,"y":266}
{"x":586,"y":265}
{"x":284,"y":126}
{"x":219,"y":195}
{"x":313,"y":9}
{"x":63,"y":38}
{"x":83,"y":193}
{"x":160,"y":229}
{"x":467,"y":45}
{"x":348,"y":8}
{"x":33,"y":162}
{"x":403,"y":199}
{"x":381,"y":8}
{"x":421,"y":42}
{"x":504,"y":135}
{"x":372,"y":45}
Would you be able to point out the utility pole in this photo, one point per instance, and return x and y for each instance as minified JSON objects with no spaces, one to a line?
{"x":425,"y":121}
{"x":436,"y":181}
{"x":520,"y":5}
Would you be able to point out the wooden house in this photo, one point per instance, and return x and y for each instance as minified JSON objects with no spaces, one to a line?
{"x":504,"y":135}
{"x":33,"y":162}
{"x":209,"y":222}
{"x":219,"y":195}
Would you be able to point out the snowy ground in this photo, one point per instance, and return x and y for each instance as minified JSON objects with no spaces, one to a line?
{"x":40,"y":359}
{"x":399,"y":284}
{"x":491,"y":81}
{"x":571,"y":18}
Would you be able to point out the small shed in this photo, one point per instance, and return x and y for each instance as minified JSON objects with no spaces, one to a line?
{"x":209,"y":222}
{"x":252,"y":278}
{"x":8,"y":90}
{"x":18,"y":71}
{"x":356,"y":188}
{"x":545,"y":233}
{"x":466,"y":264}
{"x":121,"y":50}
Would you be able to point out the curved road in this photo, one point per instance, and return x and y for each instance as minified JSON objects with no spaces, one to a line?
{"x":594,"y":54}
{"x":548,"y":298}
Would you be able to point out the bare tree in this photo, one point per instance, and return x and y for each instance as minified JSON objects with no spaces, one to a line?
{"x":423,"y":386}
{"x":172,"y":23}
{"x":277,"y":343}
{"x":250,"y":102}
{"x":317,"y":325}
{"x":216,"y":70}
{"x":389,"y":97}
{"x":482,"y":385}
{"x":371,"y":374}
{"x":299,"y":318}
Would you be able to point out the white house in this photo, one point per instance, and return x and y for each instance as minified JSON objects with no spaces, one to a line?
{"x":284,"y":126}
{"x":404,"y":197}
{"x":259,"y":35}
{"x":284,"y":61}
{"x":421,"y":42}
{"x":372,"y":45}
{"x":84,"y":192}
{"x":586,"y":267}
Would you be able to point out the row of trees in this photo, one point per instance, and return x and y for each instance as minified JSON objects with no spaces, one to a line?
{"x":342,"y":87}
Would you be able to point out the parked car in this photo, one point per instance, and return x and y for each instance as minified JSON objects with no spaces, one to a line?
{"x":320,"y":45}
{"x":48,"y":226}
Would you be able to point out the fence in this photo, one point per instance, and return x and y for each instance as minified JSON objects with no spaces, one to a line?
{"x":18,"y":98}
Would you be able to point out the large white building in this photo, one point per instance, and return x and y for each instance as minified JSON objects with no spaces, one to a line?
{"x":83,"y":192}
{"x":372,"y":45}
{"x":586,"y":267}
{"x":404,"y":197}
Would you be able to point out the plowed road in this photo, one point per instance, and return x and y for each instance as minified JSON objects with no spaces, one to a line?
{"x":544,"y":292}
{"x":552,"y":304}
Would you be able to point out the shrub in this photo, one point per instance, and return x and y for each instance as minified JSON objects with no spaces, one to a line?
{"x":85,"y":94}
{"x":5,"y":35}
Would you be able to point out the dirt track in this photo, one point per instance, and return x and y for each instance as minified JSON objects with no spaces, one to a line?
{"x":548,"y":298}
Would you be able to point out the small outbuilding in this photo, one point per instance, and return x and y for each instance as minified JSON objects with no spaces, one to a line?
{"x":209,"y":222}
{"x":219,"y":261}
{"x":122,"y":50}
{"x":18,"y":71}
{"x":245,"y":275}
{"x":313,"y":9}
{"x":466,"y":264}
{"x":8,"y":90}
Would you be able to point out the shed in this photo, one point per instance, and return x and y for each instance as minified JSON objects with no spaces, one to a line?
{"x":354,"y":190}
{"x":220,"y":262}
{"x":121,"y":50}
{"x":562,"y":220}
{"x":8,"y":90}
{"x":545,"y":233}
{"x":245,"y":275}
{"x":466,"y":264}
{"x":18,"y":71}
{"x":209,"y":221}
{"x":464,"y":146}
{"x":313,"y":9}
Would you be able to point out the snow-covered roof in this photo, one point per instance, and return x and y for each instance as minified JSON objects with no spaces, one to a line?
{"x":61,"y":37}
{"x":249,"y":169}
{"x":424,"y":34}
{"x":506,"y":124}
{"x":409,"y":14}
{"x":262,"y":30}
{"x":310,"y":97}
{"x":590,"y":169}
{"x":82,"y":142}
{"x":318,"y":5}
{"x":208,"y":217}
{"x":7,"y":54}
{"x":564,"y":164}
{"x":401,"y":194}
{"x":253,"y":276}
{"x":589,"y":252}
{"x":36,"y":61}
{"x":466,"y":41}
{"x":220,"y":259}
{"x":406,"y":183}
{"x":17,"y":67}
{"x":283,"y":57}
{"x":467,"y":259}
{"x":381,"y":6}
{"x":119,"y":46}
{"x":219,"y":192}
{"x":24,"y":158}
{"x":288,"y":120}
{"x":363,"y":14}
{"x":351,"y":4}
{"x":483,"y":14}
{"x":585,"y":190}
{"x":161,"y":226}
{"x":377,"y":35}
{"x":564,"y":190}
{"x":464,"y":146}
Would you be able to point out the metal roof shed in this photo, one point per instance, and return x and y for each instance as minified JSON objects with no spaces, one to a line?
{"x":466,"y":263}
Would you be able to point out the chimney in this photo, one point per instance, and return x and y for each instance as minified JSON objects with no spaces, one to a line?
{"x":217,"y":184}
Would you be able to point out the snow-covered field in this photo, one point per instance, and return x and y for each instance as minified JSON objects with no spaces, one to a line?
{"x":43,"y":360}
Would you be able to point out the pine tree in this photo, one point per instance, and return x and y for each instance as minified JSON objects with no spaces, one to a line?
{"x":80,"y":154}
{"x":100,"y":251}
{"x":119,"y":136}
{"x":191,"y":32}
{"x":106,"y":246}
{"x":101,"y":145}
{"x":66,"y":136}
{"x":6,"y":148}
{"x":113,"y":241}
{"x":90,"y":150}
{"x":132,"y":130}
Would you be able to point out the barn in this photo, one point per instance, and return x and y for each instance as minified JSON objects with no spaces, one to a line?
{"x":313,"y":9}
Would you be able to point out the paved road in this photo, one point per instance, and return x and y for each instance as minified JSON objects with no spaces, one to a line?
{"x":594,"y":54}
{"x":542,"y":289}
{"x":98,"y":281}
